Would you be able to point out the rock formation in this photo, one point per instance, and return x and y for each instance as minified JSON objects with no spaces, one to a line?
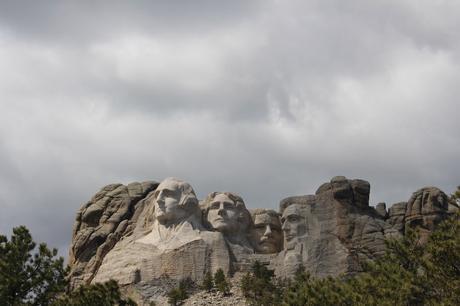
{"x":99,"y":225}
{"x":425,"y":209}
{"x":169,"y":241}
{"x":148,"y":236}
{"x":330,"y":232}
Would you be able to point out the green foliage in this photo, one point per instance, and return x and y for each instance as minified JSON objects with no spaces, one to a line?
{"x":221,"y":282}
{"x":103,"y":294}
{"x":305,"y":290}
{"x":442,"y":267}
{"x":258,"y":286}
{"x":208,"y":282}
{"x":177,"y":295}
{"x":245,"y":285}
{"x":29,"y":276}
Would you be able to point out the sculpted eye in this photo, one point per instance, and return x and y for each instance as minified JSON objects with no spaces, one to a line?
{"x":228,"y":205}
{"x":215,"y":205}
{"x":168,"y":193}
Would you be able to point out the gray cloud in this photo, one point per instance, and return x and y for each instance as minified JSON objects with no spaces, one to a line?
{"x":267,"y":99}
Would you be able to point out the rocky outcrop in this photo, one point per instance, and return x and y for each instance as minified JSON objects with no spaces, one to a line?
{"x":99,"y":225}
{"x":337,"y":229}
{"x":149,"y":236}
{"x":396,"y":220}
{"x":167,"y":243}
{"x":426,"y":208}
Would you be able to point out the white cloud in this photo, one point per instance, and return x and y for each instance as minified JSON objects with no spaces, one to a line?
{"x":267,"y":100}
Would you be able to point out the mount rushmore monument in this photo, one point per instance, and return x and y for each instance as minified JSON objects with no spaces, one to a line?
{"x":146,"y":234}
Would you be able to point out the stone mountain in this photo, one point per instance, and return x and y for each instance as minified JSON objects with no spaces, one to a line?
{"x":150,"y":235}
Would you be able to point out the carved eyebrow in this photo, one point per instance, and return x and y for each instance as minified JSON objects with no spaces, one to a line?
{"x":293,"y":215}
{"x":166,"y":191}
{"x":214,"y":204}
{"x":275,"y":226}
{"x":226,"y":203}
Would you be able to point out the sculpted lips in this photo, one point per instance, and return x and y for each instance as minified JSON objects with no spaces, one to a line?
{"x":268,"y":242}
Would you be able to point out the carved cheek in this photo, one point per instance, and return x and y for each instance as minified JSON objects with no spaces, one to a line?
{"x":301,"y":229}
{"x":212,"y":215}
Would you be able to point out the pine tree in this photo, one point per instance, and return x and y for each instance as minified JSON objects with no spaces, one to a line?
{"x":174,"y":296}
{"x":100,"y":294}
{"x":258,"y":286}
{"x":179,"y":294}
{"x":29,"y":275}
{"x":221,"y":282}
{"x":245,"y":285}
{"x":208,"y":282}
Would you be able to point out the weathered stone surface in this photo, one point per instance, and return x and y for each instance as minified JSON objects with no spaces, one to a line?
{"x":381,"y":209}
{"x":168,"y":241}
{"x":266,"y":236}
{"x":396,"y":219}
{"x":149,"y":236}
{"x":331,"y":232}
{"x":426,"y":208}
{"x":225,"y":212}
{"x":99,"y":224}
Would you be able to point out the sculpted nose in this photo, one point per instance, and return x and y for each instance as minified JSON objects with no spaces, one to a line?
{"x":221,"y":211}
{"x":160,"y":201}
{"x":268,"y":231}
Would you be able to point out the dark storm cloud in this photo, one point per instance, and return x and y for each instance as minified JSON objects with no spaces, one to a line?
{"x":76,"y":22}
{"x":263,"y":98}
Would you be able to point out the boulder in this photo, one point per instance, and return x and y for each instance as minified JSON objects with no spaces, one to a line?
{"x":426,"y":208}
{"x":381,"y":209}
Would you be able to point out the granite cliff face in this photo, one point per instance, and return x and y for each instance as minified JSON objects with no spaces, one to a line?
{"x":148,"y":236}
{"x":99,"y":225}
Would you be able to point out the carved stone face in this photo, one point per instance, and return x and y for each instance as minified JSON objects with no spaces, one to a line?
{"x":167,"y":202}
{"x":268,"y":237}
{"x":294,"y":225}
{"x":223,"y":214}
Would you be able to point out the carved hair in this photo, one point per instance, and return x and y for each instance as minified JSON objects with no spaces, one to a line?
{"x":263,"y":211}
{"x":188,"y":197}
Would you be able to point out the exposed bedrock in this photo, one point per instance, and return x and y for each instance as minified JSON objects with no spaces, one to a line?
{"x":147,"y":234}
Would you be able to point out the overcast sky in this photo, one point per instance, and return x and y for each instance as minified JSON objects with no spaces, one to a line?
{"x":263,"y":98}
